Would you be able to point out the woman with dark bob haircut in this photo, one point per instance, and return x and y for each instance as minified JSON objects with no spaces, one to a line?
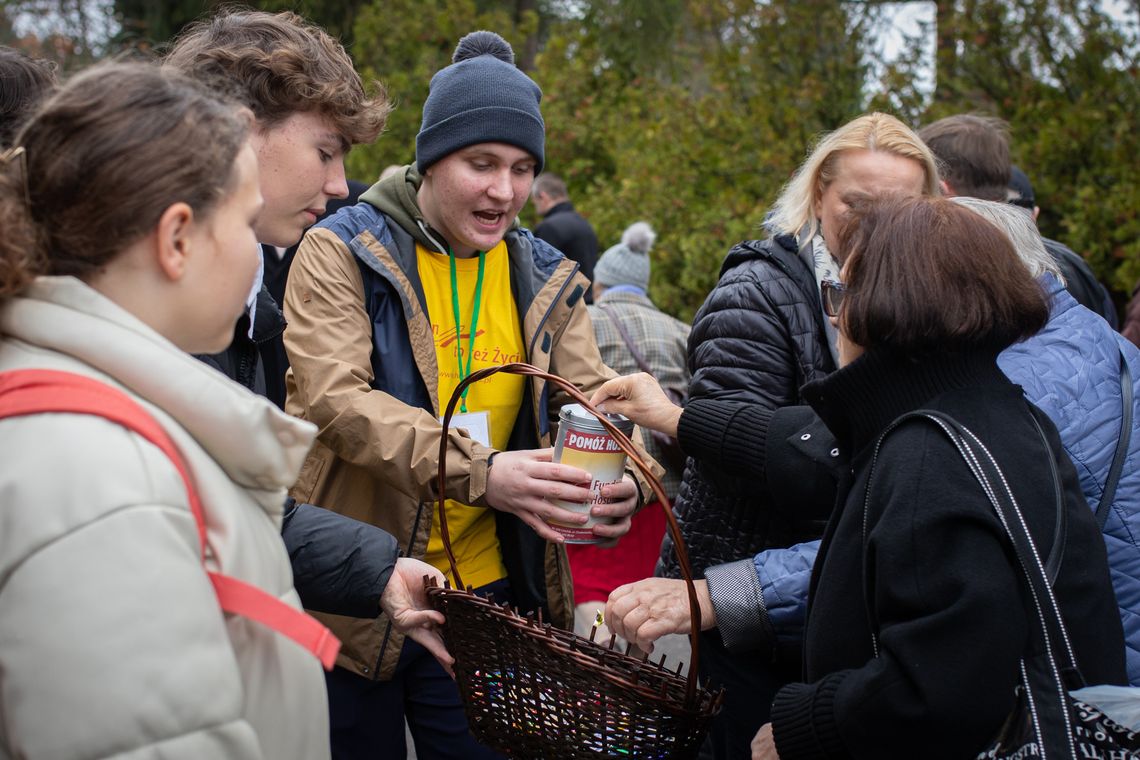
{"x":933,"y":294}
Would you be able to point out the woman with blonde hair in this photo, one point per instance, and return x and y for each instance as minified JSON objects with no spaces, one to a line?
{"x":760,"y":335}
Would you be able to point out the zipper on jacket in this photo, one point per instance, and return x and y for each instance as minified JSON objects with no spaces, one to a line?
{"x":407,"y":553}
{"x":553,"y":303}
{"x":539,"y":401}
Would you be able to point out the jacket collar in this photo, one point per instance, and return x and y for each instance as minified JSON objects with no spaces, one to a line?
{"x":780,"y":248}
{"x":858,"y":401}
{"x":257,"y":445}
{"x":395,"y":197}
{"x":558,"y":208}
{"x":268,"y":321}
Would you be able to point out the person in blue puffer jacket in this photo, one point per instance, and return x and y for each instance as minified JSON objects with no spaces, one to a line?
{"x":1071,"y":370}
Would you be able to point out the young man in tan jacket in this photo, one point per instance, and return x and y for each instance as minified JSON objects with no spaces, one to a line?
{"x":390,"y":304}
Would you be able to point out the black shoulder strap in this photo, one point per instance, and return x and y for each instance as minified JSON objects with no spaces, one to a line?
{"x":1113,"y":478}
{"x":1060,"y":522}
{"x":1049,"y":674}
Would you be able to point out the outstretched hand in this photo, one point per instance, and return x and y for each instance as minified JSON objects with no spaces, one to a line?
{"x":644,"y":611}
{"x":405,"y":602}
{"x":640,"y":398}
{"x":764,"y":744}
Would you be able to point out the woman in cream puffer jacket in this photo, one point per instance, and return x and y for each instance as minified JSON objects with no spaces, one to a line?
{"x":112,"y":642}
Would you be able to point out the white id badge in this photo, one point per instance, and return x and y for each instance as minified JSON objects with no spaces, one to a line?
{"x":477,"y":425}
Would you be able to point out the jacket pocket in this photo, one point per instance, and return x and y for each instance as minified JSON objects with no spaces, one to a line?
{"x":310,"y":476}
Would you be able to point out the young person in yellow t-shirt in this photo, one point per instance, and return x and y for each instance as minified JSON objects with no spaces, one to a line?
{"x":390,"y":303}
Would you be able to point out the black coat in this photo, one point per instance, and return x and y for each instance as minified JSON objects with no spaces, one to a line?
{"x":340,"y":565}
{"x":951,"y":617}
{"x":241,"y":362}
{"x":569,"y":232}
{"x":758,"y":338}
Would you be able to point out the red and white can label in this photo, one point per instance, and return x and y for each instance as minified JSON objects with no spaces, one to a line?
{"x":598,"y":454}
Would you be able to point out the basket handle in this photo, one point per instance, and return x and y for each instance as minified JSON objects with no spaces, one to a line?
{"x":521,"y":368}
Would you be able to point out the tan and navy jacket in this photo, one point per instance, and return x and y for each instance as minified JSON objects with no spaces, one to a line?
{"x":364,"y":371}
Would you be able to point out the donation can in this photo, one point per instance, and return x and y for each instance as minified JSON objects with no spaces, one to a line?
{"x":584,"y":443}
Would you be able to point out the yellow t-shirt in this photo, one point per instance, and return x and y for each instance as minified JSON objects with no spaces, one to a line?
{"x":498,"y":340}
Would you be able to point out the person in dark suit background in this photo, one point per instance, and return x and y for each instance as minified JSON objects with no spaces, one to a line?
{"x":562,"y":226}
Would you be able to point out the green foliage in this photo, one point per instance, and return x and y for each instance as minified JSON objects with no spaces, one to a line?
{"x":402,"y":43}
{"x":692,"y":114}
{"x":697,"y":132}
{"x":1065,"y":77}
{"x":145,"y":24}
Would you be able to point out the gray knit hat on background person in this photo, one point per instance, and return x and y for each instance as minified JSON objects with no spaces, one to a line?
{"x":481,"y":97}
{"x":627,"y":263}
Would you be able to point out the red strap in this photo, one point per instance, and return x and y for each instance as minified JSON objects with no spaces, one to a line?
{"x":241,"y":598}
{"x":41,"y":391}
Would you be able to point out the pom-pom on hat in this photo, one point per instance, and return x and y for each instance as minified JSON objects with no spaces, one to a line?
{"x":627,"y":263}
{"x":481,"y":97}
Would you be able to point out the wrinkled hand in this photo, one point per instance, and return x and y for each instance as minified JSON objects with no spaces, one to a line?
{"x":644,"y":611}
{"x":764,"y":745}
{"x":641,"y":399}
{"x":623,"y":503}
{"x":520,"y":482}
{"x":405,"y":602}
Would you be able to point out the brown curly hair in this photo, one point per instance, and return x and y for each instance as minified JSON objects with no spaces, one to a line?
{"x":279,"y":64}
{"x":27,"y":81}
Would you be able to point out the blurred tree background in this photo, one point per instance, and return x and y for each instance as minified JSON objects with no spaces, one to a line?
{"x":691,"y":114}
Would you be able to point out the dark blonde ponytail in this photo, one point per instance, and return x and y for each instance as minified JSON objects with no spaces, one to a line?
{"x":102,"y":160}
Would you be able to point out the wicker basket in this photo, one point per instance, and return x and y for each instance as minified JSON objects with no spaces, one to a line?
{"x":531,"y":690}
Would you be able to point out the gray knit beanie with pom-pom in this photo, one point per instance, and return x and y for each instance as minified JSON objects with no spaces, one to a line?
{"x":481,"y":97}
{"x":627,"y":263}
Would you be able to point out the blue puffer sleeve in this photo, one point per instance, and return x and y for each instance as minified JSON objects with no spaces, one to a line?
{"x":785,"y":576}
{"x":763,"y":600}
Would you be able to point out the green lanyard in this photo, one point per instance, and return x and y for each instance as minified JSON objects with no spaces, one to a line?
{"x":465,"y":371}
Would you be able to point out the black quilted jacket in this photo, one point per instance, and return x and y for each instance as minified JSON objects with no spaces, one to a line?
{"x":758,"y":338}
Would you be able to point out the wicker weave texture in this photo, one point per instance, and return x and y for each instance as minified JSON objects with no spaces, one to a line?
{"x":535,"y":691}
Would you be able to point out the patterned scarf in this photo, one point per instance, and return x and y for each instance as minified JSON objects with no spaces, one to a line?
{"x":815,"y":254}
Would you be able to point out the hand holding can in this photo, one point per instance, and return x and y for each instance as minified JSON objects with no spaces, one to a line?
{"x":585,"y":443}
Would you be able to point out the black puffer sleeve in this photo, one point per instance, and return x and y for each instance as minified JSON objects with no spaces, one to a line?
{"x":340,"y":566}
{"x":741,"y":345}
{"x":758,"y":337}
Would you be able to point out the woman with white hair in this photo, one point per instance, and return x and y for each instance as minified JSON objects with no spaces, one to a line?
{"x":760,"y":335}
